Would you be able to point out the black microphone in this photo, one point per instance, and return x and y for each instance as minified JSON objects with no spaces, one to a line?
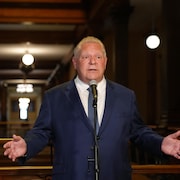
{"x":93,"y":85}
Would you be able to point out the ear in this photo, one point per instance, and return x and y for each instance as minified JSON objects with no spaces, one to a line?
{"x":106,"y":63}
{"x":74,"y":61}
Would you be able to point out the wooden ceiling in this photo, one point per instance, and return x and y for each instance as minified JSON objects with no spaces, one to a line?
{"x":46,"y":29}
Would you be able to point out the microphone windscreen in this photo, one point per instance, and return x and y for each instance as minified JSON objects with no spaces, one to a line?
{"x":92,"y":82}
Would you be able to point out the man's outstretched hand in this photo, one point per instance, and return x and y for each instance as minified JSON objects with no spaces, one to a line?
{"x":15,"y":148}
{"x":171,"y":145}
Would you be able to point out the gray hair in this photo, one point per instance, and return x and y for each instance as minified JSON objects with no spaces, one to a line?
{"x":88,"y":39}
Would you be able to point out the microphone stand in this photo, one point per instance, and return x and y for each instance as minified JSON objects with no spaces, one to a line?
{"x":96,"y":155}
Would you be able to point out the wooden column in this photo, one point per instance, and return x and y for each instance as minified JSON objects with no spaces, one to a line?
{"x":171,"y":85}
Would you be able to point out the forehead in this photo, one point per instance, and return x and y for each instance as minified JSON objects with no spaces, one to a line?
{"x":91,"y":47}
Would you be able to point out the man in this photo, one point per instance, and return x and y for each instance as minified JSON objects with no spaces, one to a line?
{"x":63,"y":118}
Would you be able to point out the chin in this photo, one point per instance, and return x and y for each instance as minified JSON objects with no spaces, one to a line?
{"x":94,"y":77}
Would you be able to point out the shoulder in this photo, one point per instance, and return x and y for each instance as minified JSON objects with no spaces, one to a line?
{"x":61,"y":88}
{"x":118,"y":87}
{"x":120,"y":92}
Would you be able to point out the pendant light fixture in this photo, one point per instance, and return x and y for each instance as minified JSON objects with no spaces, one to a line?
{"x":27,"y":58}
{"x":153,"y":40}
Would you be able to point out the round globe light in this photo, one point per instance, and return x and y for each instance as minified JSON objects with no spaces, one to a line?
{"x":152,"y":41}
{"x":28,"y":59}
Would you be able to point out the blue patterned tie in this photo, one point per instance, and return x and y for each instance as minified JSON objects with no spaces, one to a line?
{"x":91,"y":110}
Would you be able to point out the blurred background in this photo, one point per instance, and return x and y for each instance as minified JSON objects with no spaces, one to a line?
{"x":49,"y":30}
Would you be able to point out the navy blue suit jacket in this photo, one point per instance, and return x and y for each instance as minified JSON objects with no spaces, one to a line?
{"x":63,"y":119}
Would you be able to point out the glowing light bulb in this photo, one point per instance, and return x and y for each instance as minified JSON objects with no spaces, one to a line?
{"x":28,"y":59}
{"x":152,"y":41}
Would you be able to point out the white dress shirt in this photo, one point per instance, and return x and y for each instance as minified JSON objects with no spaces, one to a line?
{"x":83,"y":94}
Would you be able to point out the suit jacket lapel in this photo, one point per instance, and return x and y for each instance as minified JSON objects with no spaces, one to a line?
{"x":77,"y":107}
{"x":78,"y":110}
{"x":109,"y":105}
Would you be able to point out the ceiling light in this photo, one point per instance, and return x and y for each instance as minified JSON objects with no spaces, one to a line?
{"x":28,"y":59}
{"x":24,"y":88}
{"x":152,"y":41}
{"x":23,"y":106}
{"x":24,"y":100}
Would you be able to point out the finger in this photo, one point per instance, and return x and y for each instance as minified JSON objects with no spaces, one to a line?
{"x":11,"y":154}
{"x":13,"y":157}
{"x":6,"y":152}
{"x":7,"y":145}
{"x":177,"y":155}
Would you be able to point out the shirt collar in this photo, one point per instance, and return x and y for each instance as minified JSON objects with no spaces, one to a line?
{"x":83,"y":86}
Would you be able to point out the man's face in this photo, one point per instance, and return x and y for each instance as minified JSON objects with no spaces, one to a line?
{"x":91,"y":63}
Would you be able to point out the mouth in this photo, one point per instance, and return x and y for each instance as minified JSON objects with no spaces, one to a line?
{"x":92,"y":69}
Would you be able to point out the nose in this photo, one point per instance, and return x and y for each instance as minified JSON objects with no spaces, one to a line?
{"x":92,"y":60}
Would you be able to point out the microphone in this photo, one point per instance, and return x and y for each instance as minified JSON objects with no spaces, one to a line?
{"x":93,"y":85}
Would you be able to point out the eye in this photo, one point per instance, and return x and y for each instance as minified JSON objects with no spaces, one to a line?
{"x":98,"y":57}
{"x":85,"y":57}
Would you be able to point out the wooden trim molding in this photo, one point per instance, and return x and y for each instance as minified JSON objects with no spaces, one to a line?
{"x":46,"y":170}
{"x":156,"y":169}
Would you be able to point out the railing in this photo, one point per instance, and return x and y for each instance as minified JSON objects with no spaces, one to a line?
{"x":45,"y":172}
{"x":156,"y":169}
{"x":44,"y":157}
{"x":34,"y":168}
{"x":26,"y":170}
{"x":8,"y":128}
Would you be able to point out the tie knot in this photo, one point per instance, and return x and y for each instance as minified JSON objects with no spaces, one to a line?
{"x":89,"y":89}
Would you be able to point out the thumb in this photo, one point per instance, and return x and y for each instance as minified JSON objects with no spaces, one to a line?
{"x":175,"y":135}
{"x":16,"y":138}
